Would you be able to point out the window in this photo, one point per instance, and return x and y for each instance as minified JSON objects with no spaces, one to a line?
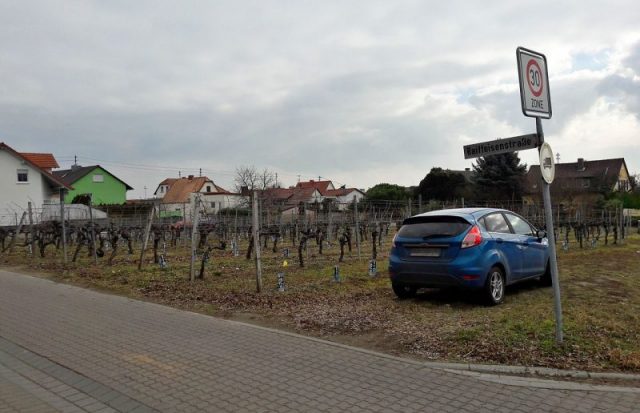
{"x":520,"y":226}
{"x":98,"y":178}
{"x":496,"y":223}
{"x":586,"y":183}
{"x":161,"y":189}
{"x":208,"y":188}
{"x":213,"y":205}
{"x":431,"y":227}
{"x":23,"y":175}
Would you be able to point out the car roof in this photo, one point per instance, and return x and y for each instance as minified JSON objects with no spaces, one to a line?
{"x":461,"y":212}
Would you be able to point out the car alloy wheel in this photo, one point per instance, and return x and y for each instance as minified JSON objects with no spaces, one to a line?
{"x":495,"y":286}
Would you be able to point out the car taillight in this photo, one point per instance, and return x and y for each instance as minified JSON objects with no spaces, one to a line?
{"x":473,"y":238}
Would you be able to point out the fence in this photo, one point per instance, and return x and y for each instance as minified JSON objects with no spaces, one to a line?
{"x":103,"y":228}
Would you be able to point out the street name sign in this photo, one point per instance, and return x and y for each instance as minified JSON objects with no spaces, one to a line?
{"x":497,"y":146}
{"x":534,"y":83}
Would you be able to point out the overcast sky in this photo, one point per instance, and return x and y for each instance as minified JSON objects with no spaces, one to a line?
{"x":359,"y":92}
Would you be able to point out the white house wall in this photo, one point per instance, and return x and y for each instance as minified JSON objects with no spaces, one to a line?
{"x":15,"y":196}
{"x":344,"y":201}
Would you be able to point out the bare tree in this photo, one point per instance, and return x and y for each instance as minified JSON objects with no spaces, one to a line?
{"x":252,"y":179}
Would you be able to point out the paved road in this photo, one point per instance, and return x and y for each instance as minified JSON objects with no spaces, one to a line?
{"x":64,"y":348}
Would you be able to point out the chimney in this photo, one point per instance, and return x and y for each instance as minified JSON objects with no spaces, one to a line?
{"x":581,"y":166}
{"x":191,"y":177}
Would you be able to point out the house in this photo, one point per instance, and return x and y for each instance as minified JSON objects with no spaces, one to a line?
{"x":104,"y":187}
{"x":342,"y":196}
{"x":26,"y":178}
{"x":176,"y":196}
{"x":579,"y":183}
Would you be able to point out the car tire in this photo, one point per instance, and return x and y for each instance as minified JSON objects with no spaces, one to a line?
{"x":494,"y":287}
{"x":404,"y":291}
{"x":545,"y":279}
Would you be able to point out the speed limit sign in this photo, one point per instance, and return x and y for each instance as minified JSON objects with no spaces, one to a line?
{"x":534,"y":83}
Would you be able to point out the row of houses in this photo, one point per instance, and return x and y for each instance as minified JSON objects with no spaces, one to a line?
{"x":176,"y":196}
{"x":36,"y":178}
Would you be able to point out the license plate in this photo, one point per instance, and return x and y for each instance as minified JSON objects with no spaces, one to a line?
{"x":425,"y":252}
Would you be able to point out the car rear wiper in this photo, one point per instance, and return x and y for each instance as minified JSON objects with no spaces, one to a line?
{"x":436,"y":236}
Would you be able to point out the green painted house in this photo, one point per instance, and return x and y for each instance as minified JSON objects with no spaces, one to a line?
{"x":105,"y":188}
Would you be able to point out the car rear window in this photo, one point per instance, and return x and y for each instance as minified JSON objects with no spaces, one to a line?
{"x":431,"y":227}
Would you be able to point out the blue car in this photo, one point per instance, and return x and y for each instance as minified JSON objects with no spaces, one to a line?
{"x":484,"y":249}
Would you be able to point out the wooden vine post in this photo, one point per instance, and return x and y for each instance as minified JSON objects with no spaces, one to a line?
{"x":64,"y":229}
{"x":32,"y":231}
{"x":256,"y":241}
{"x":195,"y":214}
{"x":15,"y":234}
{"x":145,"y":238}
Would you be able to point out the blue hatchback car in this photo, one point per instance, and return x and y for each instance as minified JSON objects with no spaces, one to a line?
{"x":484,"y":249}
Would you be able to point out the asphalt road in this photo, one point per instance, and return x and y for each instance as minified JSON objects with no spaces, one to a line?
{"x":64,"y":348}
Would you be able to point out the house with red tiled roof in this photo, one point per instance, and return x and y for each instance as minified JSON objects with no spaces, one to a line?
{"x":25,"y":179}
{"x":321,"y":186}
{"x":45,"y":161}
{"x":177,"y":195}
{"x":341,"y":196}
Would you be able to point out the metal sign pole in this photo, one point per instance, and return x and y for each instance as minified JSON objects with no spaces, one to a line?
{"x":548,"y":217}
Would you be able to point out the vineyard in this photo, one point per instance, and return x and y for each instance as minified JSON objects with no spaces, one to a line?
{"x":323,"y":272}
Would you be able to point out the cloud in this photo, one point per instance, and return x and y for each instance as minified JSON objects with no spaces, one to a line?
{"x":359,"y":92}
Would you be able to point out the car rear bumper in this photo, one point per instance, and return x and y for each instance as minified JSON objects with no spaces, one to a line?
{"x":436,"y":275}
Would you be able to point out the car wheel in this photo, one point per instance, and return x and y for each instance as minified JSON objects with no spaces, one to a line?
{"x":545,"y":280}
{"x":404,"y":291}
{"x":495,"y":286}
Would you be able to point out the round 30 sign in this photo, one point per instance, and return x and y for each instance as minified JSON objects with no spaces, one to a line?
{"x":534,"y":78}
{"x":534,"y":83}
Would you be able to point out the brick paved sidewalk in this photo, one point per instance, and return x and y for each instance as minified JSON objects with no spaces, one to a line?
{"x":156,"y":357}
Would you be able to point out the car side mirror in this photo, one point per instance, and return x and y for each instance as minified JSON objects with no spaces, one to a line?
{"x":541,"y":233}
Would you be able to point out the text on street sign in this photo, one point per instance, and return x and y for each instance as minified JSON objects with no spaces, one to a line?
{"x":497,"y":146}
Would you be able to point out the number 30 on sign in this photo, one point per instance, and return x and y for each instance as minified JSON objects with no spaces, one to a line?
{"x":534,"y":83}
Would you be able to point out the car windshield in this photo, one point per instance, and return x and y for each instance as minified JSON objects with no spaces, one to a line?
{"x":431,"y":227}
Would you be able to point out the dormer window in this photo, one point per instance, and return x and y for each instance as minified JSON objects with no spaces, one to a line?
{"x":208,"y":188}
{"x":23,"y":175}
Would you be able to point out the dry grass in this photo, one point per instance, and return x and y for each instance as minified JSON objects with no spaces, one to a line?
{"x":600,"y":295}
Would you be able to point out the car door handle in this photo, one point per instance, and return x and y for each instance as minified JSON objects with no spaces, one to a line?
{"x":499,"y":240}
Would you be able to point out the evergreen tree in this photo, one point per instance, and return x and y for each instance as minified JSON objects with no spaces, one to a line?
{"x":385,"y":192}
{"x":499,"y":177}
{"x":442,"y":185}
